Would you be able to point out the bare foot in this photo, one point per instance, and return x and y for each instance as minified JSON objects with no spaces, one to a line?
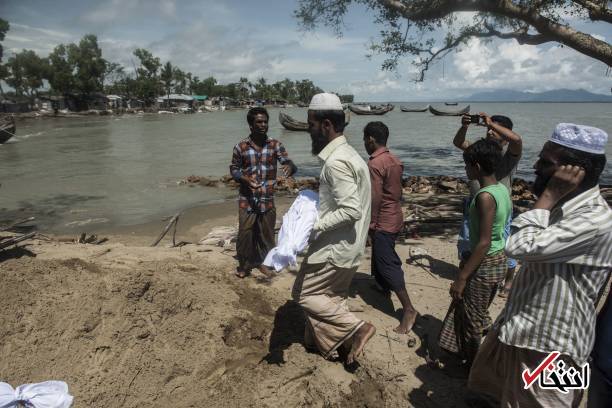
{"x":242,"y":274}
{"x":265,"y":270}
{"x":360,"y":339}
{"x":407,"y":322}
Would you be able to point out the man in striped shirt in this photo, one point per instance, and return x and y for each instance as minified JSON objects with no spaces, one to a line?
{"x":564,"y":245}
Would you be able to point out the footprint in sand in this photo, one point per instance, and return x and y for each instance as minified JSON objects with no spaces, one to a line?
{"x":98,"y":359}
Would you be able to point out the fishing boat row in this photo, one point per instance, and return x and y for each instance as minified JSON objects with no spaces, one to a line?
{"x":290,"y":123}
{"x":371,"y":109}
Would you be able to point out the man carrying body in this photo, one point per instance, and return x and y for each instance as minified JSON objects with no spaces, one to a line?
{"x":387,"y":218}
{"x":339,"y":237}
{"x":254,"y":164}
{"x":500,"y":131}
{"x":564,"y":244}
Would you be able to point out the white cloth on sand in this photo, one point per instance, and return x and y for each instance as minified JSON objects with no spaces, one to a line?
{"x":47,"y":394}
{"x":295,"y":231}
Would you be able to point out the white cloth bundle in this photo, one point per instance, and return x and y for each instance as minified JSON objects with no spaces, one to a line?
{"x":295,"y":231}
{"x":47,"y":394}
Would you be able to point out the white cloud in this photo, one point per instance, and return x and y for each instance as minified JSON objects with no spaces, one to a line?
{"x":474,"y":60}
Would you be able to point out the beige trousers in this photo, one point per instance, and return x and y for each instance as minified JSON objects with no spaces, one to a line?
{"x":321,"y":290}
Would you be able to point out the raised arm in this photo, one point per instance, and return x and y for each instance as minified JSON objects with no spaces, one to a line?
{"x":515,"y":143}
{"x":459,"y":139}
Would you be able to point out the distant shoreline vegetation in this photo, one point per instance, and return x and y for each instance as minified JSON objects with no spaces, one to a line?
{"x":80,"y":73}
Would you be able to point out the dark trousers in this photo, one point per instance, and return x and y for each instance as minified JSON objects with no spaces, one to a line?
{"x":255,"y":237}
{"x":386,"y":264}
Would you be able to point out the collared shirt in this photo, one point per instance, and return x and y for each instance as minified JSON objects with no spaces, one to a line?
{"x":386,"y":177}
{"x":344,"y":207}
{"x":567,"y":258}
{"x":261,"y":162}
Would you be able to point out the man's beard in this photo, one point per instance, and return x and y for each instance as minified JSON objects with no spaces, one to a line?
{"x":539,"y":185}
{"x":319,"y":141}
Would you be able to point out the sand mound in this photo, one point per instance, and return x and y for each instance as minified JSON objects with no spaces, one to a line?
{"x":162,"y":327}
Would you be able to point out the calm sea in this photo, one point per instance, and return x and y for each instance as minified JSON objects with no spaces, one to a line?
{"x":105,"y":171}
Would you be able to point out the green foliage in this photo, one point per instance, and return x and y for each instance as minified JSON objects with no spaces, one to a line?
{"x":167,"y":76}
{"x":27,"y":71}
{"x":89,"y":66}
{"x":80,"y":70}
{"x":4,"y":27}
{"x":61,"y":71}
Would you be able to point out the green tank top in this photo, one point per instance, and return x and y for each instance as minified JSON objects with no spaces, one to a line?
{"x":503,"y":210}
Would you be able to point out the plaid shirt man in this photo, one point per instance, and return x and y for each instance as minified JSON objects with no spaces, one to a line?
{"x":249,"y":159}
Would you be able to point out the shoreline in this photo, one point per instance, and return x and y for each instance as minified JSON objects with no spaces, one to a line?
{"x":199,"y":219}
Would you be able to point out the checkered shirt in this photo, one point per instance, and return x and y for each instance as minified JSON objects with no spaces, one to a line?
{"x":249,"y":159}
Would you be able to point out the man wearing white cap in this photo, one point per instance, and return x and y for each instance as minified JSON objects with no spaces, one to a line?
{"x":339,"y":237}
{"x":564,"y":244}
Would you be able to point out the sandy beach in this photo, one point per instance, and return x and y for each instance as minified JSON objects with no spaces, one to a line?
{"x":125,"y":324}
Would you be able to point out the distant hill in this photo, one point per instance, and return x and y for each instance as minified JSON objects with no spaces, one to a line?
{"x":557,"y":95}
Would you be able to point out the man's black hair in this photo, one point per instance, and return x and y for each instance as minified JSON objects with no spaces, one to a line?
{"x":336,"y":117}
{"x":502,"y":120}
{"x":254,"y":112}
{"x":378,"y":131}
{"x":486,"y":153}
{"x":593,"y":164}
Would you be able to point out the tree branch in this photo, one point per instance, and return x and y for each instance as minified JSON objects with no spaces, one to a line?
{"x":436,"y":9}
{"x":597,"y":12}
{"x":521,"y":35}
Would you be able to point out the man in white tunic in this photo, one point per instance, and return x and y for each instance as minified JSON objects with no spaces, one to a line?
{"x":338,"y":238}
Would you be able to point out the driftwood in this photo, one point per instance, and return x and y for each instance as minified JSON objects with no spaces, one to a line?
{"x":10,"y":241}
{"x":173,"y":221}
{"x":16,"y":223}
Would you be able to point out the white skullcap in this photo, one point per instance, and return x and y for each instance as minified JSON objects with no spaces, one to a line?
{"x":325,"y":101}
{"x":585,"y":138}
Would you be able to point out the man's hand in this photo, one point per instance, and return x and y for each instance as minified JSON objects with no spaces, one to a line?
{"x":565,"y":180}
{"x":465,"y":120}
{"x":486,"y":119}
{"x":457,"y":288}
{"x":250,"y":181}
{"x":287,"y":170}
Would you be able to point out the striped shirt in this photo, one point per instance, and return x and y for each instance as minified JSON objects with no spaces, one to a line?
{"x":567,"y":258}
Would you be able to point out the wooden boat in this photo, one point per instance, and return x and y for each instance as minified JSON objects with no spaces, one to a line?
{"x":371,"y":110}
{"x":291,"y":124}
{"x":404,"y":109}
{"x":450,"y":103}
{"x":450,"y":113}
{"x":7,"y":128}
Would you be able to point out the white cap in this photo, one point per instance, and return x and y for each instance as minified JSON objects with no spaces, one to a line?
{"x":585,"y":138}
{"x":325,"y":101}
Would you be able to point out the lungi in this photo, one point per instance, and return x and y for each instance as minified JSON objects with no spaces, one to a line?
{"x":255,"y":237}
{"x":322,"y":290}
{"x":468,"y":318}
{"x":496,"y":377}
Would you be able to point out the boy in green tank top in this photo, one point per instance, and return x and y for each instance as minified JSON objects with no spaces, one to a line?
{"x":479,"y":276}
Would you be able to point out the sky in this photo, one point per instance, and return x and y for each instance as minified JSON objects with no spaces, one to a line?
{"x":230,"y":39}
